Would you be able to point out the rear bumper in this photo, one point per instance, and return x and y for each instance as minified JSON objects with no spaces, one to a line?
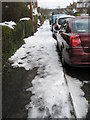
{"x":78,"y":57}
{"x":79,"y":65}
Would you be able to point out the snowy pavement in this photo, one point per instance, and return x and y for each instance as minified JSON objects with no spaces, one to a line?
{"x":51,"y":93}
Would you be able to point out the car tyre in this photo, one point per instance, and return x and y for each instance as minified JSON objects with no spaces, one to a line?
{"x":58,"y":46}
{"x":64,"y":64}
{"x":53,"y":35}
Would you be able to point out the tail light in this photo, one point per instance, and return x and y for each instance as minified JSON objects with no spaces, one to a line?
{"x":75,"y":41}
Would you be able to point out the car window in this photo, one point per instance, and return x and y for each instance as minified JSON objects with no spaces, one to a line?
{"x":81,"y":25}
{"x":61,"y":20}
{"x":65,"y":27}
{"x":68,"y":29}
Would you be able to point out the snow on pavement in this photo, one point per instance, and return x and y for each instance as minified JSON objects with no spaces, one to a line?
{"x":79,"y":102}
{"x":50,"y":93}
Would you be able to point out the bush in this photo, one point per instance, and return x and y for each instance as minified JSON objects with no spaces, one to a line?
{"x":18,"y":34}
{"x":12,"y":39}
{"x":27,"y":28}
{"x":41,"y":20}
{"x":35,"y":23}
{"x":14,"y":11}
{"x":6,"y":43}
{"x":25,"y":12}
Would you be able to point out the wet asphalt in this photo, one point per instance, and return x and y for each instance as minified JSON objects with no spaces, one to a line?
{"x":15,"y":81}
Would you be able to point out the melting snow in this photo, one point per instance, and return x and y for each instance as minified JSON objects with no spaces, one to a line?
{"x":79,"y":101}
{"x":26,"y":18}
{"x":50,"y":93}
{"x":9,"y":24}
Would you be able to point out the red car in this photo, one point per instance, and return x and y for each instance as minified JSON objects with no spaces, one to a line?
{"x":73,"y":41}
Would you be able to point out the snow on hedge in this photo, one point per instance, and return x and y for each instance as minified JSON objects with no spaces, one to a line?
{"x":9,"y":24}
{"x":26,"y":18}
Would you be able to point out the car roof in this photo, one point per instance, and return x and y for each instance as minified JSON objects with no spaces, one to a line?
{"x":56,"y":16}
{"x":78,"y":17}
{"x":66,"y":16}
{"x":59,"y":15}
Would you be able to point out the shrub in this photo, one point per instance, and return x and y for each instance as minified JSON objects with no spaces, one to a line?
{"x":27,"y":28}
{"x":14,"y":11}
{"x":35,"y":23}
{"x":25,"y":12}
{"x":18,"y":34}
{"x":7,"y":44}
{"x":12,"y":39}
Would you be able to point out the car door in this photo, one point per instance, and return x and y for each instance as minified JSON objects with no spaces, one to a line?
{"x":61,"y":35}
{"x":65,"y":34}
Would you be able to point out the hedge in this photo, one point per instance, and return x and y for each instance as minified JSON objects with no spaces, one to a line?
{"x":12,"y":39}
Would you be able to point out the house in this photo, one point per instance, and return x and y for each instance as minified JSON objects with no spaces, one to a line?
{"x":72,"y":8}
{"x":82,"y":6}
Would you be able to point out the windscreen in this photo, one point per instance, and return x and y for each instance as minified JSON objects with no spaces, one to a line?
{"x":82,"y":25}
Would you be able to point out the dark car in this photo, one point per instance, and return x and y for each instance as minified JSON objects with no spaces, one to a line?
{"x":73,"y":41}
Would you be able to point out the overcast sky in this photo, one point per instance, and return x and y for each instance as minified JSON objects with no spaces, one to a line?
{"x":47,"y":3}
{"x":54,"y":3}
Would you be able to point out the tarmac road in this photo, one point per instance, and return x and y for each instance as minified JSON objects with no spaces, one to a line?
{"x":14,"y":95}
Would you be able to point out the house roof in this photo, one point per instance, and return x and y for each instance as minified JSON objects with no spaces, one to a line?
{"x":84,"y":1}
{"x":87,"y":1}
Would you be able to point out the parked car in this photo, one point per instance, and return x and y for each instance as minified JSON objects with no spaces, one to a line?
{"x":50,"y":20}
{"x":54,"y":18}
{"x":58,"y":22}
{"x":73,"y":41}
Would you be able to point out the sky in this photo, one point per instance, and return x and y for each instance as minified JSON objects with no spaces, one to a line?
{"x":54,"y":3}
{"x":47,"y":3}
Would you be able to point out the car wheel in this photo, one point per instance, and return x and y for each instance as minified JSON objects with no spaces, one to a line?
{"x":53,"y":35}
{"x":59,"y":50}
{"x":58,"y":46}
{"x":64,"y":64}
